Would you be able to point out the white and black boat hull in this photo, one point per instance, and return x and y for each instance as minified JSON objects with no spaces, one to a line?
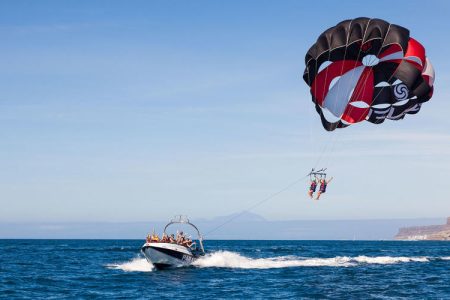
{"x":165,"y":255}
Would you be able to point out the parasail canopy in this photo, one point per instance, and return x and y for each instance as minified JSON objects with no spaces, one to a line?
{"x":367,"y":69}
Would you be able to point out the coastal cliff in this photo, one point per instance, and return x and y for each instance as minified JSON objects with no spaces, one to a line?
{"x":434,"y":232}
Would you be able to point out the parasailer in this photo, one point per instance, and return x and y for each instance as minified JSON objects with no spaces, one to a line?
{"x":323,"y":186}
{"x":312,"y":186}
{"x":316,"y":177}
{"x":367,"y":69}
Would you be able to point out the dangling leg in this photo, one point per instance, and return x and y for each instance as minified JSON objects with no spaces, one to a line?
{"x":318,"y":195}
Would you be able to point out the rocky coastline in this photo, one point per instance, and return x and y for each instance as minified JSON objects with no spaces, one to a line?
{"x":430,"y":233}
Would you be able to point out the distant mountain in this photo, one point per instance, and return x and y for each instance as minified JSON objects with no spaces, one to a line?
{"x":241,"y":226}
{"x":431,"y":232}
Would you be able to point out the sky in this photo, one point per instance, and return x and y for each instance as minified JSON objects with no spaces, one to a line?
{"x":124,"y":111}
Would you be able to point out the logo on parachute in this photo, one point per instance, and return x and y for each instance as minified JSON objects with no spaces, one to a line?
{"x":401,"y":92}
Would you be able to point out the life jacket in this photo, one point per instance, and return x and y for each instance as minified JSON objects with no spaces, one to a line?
{"x":313,"y":186}
{"x":323,"y":187}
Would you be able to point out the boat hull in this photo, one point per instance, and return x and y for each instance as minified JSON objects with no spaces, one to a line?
{"x":166,"y":255}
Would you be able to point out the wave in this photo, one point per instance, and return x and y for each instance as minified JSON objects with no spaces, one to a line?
{"x":227,"y":259}
{"x":137,"y":264}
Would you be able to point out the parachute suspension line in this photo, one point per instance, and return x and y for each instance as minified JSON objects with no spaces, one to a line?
{"x":338,"y":92}
{"x":312,"y":143}
{"x":332,"y":140}
{"x":324,"y":150}
{"x":359,"y":93}
{"x":338,"y":135}
{"x":258,"y":204}
{"x":330,"y":152}
{"x":325,"y":147}
{"x":389,"y":79}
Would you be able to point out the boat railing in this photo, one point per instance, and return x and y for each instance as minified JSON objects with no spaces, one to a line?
{"x":181,"y":219}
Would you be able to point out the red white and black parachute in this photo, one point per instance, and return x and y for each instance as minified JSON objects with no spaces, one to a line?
{"x":367,"y":69}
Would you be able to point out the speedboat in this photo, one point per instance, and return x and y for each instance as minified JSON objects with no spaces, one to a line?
{"x":164,"y":255}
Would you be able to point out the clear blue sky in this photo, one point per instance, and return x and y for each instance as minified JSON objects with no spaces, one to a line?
{"x":138,"y":110}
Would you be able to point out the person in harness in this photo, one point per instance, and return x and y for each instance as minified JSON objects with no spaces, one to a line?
{"x":312,"y":187}
{"x":323,"y":187}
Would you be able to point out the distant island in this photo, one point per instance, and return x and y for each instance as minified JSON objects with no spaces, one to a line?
{"x":433,"y":232}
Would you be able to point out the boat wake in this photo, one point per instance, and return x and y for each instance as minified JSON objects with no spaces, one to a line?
{"x":234,"y":260}
{"x":227,"y":259}
{"x":137,"y":264}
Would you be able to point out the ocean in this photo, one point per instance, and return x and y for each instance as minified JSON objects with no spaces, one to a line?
{"x":109,"y":269}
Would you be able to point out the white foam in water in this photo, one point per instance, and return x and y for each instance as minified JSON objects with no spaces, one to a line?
{"x":445,"y":258}
{"x":137,"y":264}
{"x":386,"y":260}
{"x":227,"y":259}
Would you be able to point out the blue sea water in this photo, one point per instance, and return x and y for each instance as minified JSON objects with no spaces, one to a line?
{"x":90,"y":269}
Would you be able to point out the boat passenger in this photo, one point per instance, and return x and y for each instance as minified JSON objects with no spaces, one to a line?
{"x":180,"y":237}
{"x":188,"y":243}
{"x":172,"y":238}
{"x":193,"y":245}
{"x":155,"y":238}
{"x":148,"y":239}
{"x":164,"y":238}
